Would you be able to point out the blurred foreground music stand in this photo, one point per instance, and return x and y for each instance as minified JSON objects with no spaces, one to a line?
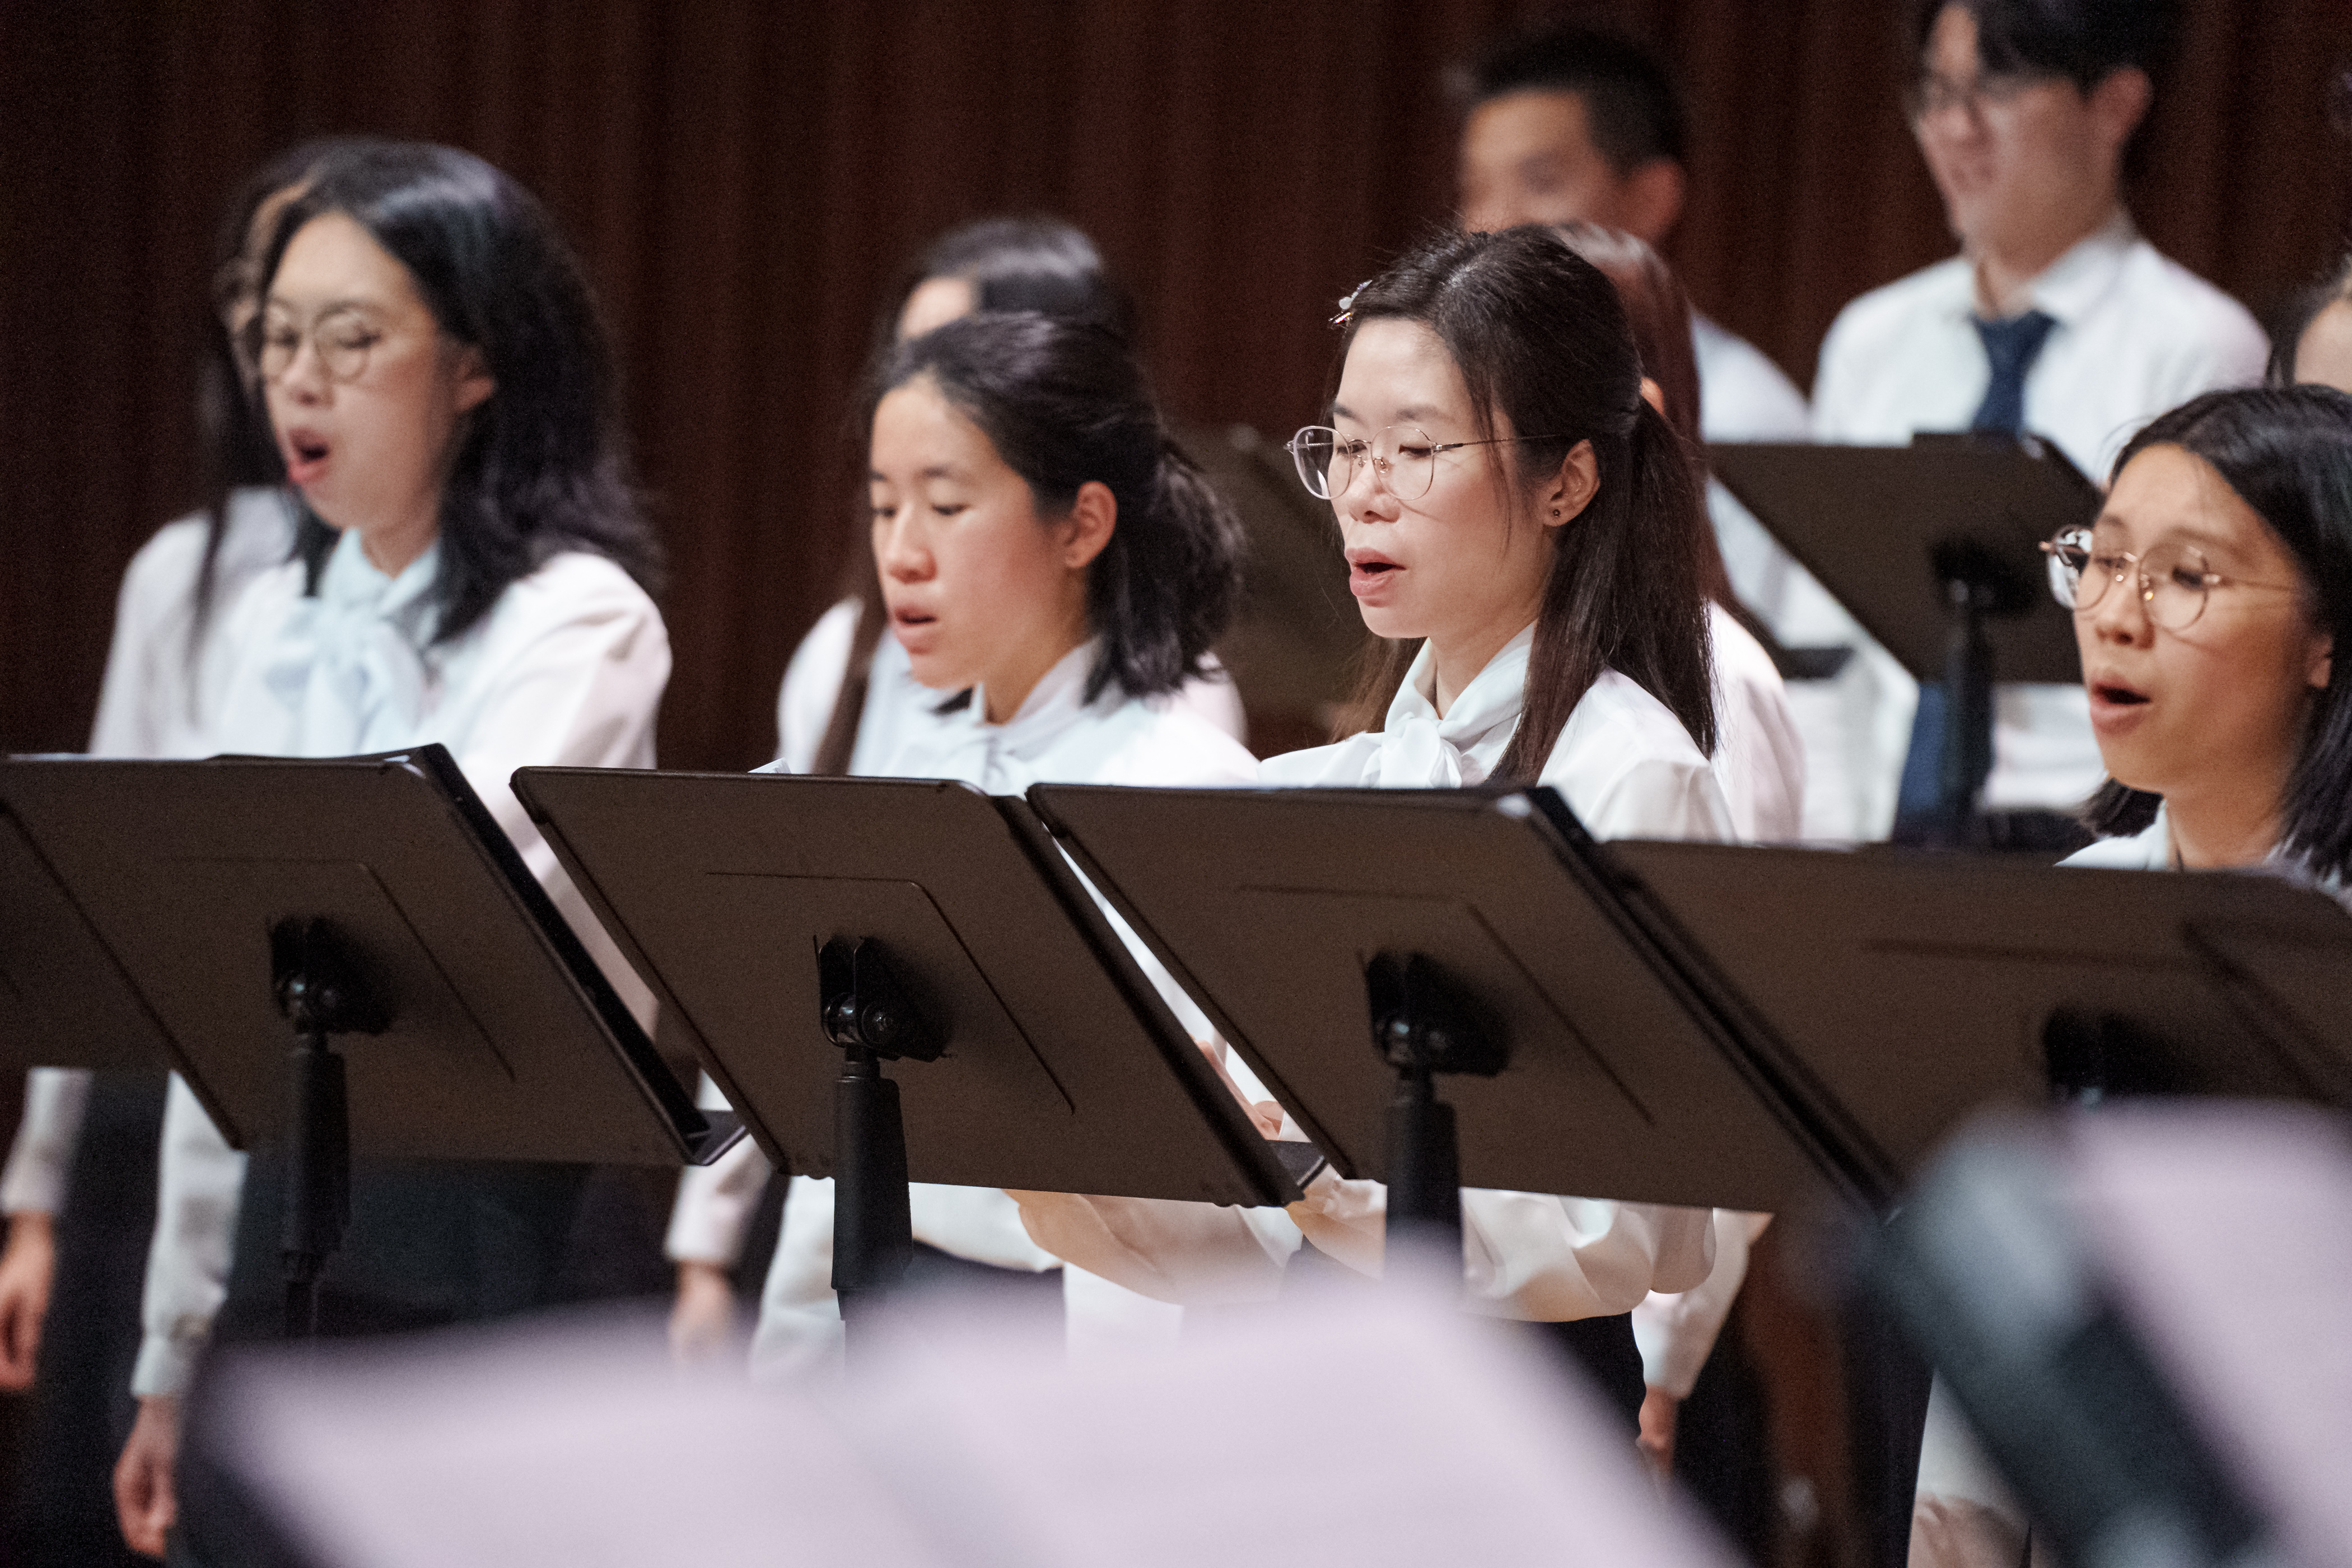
{"x":807,"y":931}
{"x":373,"y":899}
{"x":1356,"y":945}
{"x":1935,"y":549}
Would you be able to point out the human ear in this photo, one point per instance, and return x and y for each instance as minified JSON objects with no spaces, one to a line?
{"x":2118,"y":103}
{"x":1573,"y":488}
{"x":474,"y":382}
{"x":1651,"y":200}
{"x":2322,"y":662}
{"x":1092,"y":518}
{"x":1655,"y":396}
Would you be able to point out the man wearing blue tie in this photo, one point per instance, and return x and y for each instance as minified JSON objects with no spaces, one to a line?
{"x":2056,"y":318}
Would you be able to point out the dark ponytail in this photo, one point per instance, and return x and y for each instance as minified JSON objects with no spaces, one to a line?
{"x":1064,"y":404}
{"x":1541,"y":339}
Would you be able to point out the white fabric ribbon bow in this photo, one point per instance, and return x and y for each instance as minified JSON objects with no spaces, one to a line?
{"x":349,"y":665}
{"x":1420,"y":751}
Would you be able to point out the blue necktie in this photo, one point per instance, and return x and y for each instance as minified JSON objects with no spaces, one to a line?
{"x":2011,"y":348}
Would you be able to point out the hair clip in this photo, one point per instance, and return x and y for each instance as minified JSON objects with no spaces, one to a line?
{"x":1348,"y":303}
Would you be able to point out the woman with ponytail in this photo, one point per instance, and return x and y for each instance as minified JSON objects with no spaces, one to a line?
{"x":1522,"y":532}
{"x":1053,"y":572}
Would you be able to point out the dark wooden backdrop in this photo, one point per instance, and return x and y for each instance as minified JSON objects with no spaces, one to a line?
{"x":745,"y":176}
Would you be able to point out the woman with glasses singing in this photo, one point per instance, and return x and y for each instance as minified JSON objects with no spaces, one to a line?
{"x":2208,"y":598}
{"x":1521,"y":530}
{"x":468,"y":568}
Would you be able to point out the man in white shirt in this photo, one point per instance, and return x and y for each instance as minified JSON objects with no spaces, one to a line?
{"x":2055,"y":318}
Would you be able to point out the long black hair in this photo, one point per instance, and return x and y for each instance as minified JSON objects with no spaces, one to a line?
{"x":234,"y":450}
{"x":1064,"y":404}
{"x":2287,"y":453}
{"x":542,"y":467}
{"x":1541,"y":339}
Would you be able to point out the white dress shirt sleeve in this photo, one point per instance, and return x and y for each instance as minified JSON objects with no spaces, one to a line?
{"x":712,"y":1215}
{"x":200,"y":1179}
{"x":40,"y":1161}
{"x":1676,"y":1332}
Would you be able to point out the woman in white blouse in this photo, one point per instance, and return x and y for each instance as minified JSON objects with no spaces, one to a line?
{"x":1522,"y":526}
{"x":469,"y":569}
{"x":2208,"y":598}
{"x":1054,"y":572}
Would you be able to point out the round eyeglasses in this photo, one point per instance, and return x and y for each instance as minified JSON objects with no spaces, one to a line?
{"x":2174,"y":580}
{"x":1403,"y":456}
{"x":342,"y":339}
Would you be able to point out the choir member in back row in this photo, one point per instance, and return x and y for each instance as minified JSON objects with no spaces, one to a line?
{"x":468,"y":568}
{"x":2208,"y":600}
{"x":2056,"y":318}
{"x":78,"y":1190}
{"x":1521,"y":530}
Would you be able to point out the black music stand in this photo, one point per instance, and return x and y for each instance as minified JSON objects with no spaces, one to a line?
{"x":1935,"y":549}
{"x":1905,"y":992}
{"x":64,"y":1002}
{"x":370,"y":898}
{"x":1355,"y":945}
{"x":805,"y":930}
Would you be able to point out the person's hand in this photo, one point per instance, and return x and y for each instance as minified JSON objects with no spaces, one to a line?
{"x":702,"y":1319}
{"x":1264,"y":1115}
{"x":144,"y":1503}
{"x":1656,"y":1442}
{"x":1958,"y":1532}
{"x":27,"y":1270}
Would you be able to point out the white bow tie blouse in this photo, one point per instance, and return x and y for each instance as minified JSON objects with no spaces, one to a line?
{"x":566,"y":669}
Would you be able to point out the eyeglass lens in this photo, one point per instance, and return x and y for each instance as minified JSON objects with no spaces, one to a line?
{"x":2171,"y":580}
{"x":1403,"y":456}
{"x":342,"y":338}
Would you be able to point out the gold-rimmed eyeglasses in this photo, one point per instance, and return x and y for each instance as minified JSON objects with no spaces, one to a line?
{"x":1405,"y":456}
{"x":2174,"y":580}
{"x":342,"y":338}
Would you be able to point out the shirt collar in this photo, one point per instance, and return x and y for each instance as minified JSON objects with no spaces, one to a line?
{"x":1478,"y":728}
{"x":2069,"y":288}
{"x":1053,"y":705}
{"x":353,"y":588}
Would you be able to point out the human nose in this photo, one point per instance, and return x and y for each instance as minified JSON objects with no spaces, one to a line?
{"x":899,"y":554}
{"x":2121,"y":613}
{"x":305,"y":376}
